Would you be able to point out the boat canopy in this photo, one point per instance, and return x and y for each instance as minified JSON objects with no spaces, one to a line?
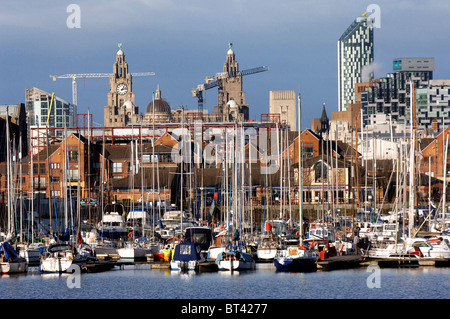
{"x":200,"y":235}
{"x":186,"y":252}
{"x":8,"y":250}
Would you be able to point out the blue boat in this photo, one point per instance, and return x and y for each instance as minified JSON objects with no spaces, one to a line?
{"x":186,"y":257}
{"x":295,"y":259}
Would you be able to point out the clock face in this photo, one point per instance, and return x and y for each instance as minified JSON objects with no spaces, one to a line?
{"x":122,"y":88}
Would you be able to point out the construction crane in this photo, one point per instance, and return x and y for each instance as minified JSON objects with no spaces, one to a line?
{"x":217,"y":81}
{"x":89,"y":75}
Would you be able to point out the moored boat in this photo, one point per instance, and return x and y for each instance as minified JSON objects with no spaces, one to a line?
{"x":235,"y":258}
{"x":186,"y":257}
{"x":58,"y":258}
{"x":10,"y":262}
{"x":267,"y":249}
{"x":295,"y":259}
{"x":133,"y":252}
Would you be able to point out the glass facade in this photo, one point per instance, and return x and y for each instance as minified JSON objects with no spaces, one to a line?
{"x":60,"y":114}
{"x":391,"y":95}
{"x":355,"y":54}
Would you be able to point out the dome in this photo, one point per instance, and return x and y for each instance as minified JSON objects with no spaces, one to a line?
{"x":230,"y":52}
{"x":128,"y":104}
{"x":232,"y":104}
{"x":161,"y":106}
{"x":120,"y":52}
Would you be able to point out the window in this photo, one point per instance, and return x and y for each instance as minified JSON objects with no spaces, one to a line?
{"x":73,"y":175}
{"x":54,"y":165}
{"x":73,"y":156}
{"x":39,"y":182}
{"x":117,"y":167}
{"x":321,"y":172}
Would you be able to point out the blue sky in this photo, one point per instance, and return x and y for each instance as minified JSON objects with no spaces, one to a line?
{"x":184,"y":41}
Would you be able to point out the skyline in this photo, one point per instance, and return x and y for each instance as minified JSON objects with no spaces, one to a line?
{"x":184,"y":43}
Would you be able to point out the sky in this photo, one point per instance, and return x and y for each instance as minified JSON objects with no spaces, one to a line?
{"x":182,"y":42}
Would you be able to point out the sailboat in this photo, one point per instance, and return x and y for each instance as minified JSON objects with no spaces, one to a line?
{"x":133,"y":249}
{"x":267,"y":247}
{"x":235,"y":258}
{"x":297,"y":258}
{"x":10,"y":261}
{"x":58,"y":258}
{"x":236,"y":255}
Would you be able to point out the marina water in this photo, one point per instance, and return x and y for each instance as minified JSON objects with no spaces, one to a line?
{"x":142,"y":282}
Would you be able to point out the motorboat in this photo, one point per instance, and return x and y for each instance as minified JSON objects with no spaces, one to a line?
{"x":202,"y":236}
{"x":186,"y":257}
{"x":113,"y":224}
{"x":321,"y":231}
{"x":437,"y":247}
{"x":296,"y":259}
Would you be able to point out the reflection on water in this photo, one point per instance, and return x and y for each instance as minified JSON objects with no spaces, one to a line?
{"x":142,"y":282}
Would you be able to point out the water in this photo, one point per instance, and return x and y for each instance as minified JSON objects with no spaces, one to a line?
{"x":141,"y":282}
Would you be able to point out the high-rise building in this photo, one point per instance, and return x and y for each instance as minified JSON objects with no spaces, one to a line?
{"x":355,"y":56}
{"x":121,"y":110}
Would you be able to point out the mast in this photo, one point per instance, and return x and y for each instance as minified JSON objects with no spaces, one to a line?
{"x":65,"y":172}
{"x":182,"y":168}
{"x":412,"y":164}
{"x":300,"y":171}
{"x":89,"y":169}
{"x":141,"y":167}
{"x":8,"y":174}
{"x":103,"y":178}
{"x":31,"y":170}
{"x":48,"y":165}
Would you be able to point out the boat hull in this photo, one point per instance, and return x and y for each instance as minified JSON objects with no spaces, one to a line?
{"x":266,"y":253}
{"x":235,"y":261}
{"x":133,"y":253}
{"x":180,"y":265}
{"x":295,"y":264}
{"x":13,"y":267}
{"x":55,"y":264}
{"x":236,"y":265}
{"x":32,"y":256}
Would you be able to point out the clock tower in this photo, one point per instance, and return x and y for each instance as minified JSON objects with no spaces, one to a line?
{"x":120,"y":110}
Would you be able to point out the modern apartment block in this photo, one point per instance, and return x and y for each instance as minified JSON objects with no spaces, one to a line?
{"x":390,"y":95}
{"x":433,"y":105}
{"x":355,"y":56}
{"x":40,"y":110}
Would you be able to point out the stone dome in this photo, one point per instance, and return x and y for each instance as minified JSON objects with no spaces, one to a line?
{"x":161,"y":106}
